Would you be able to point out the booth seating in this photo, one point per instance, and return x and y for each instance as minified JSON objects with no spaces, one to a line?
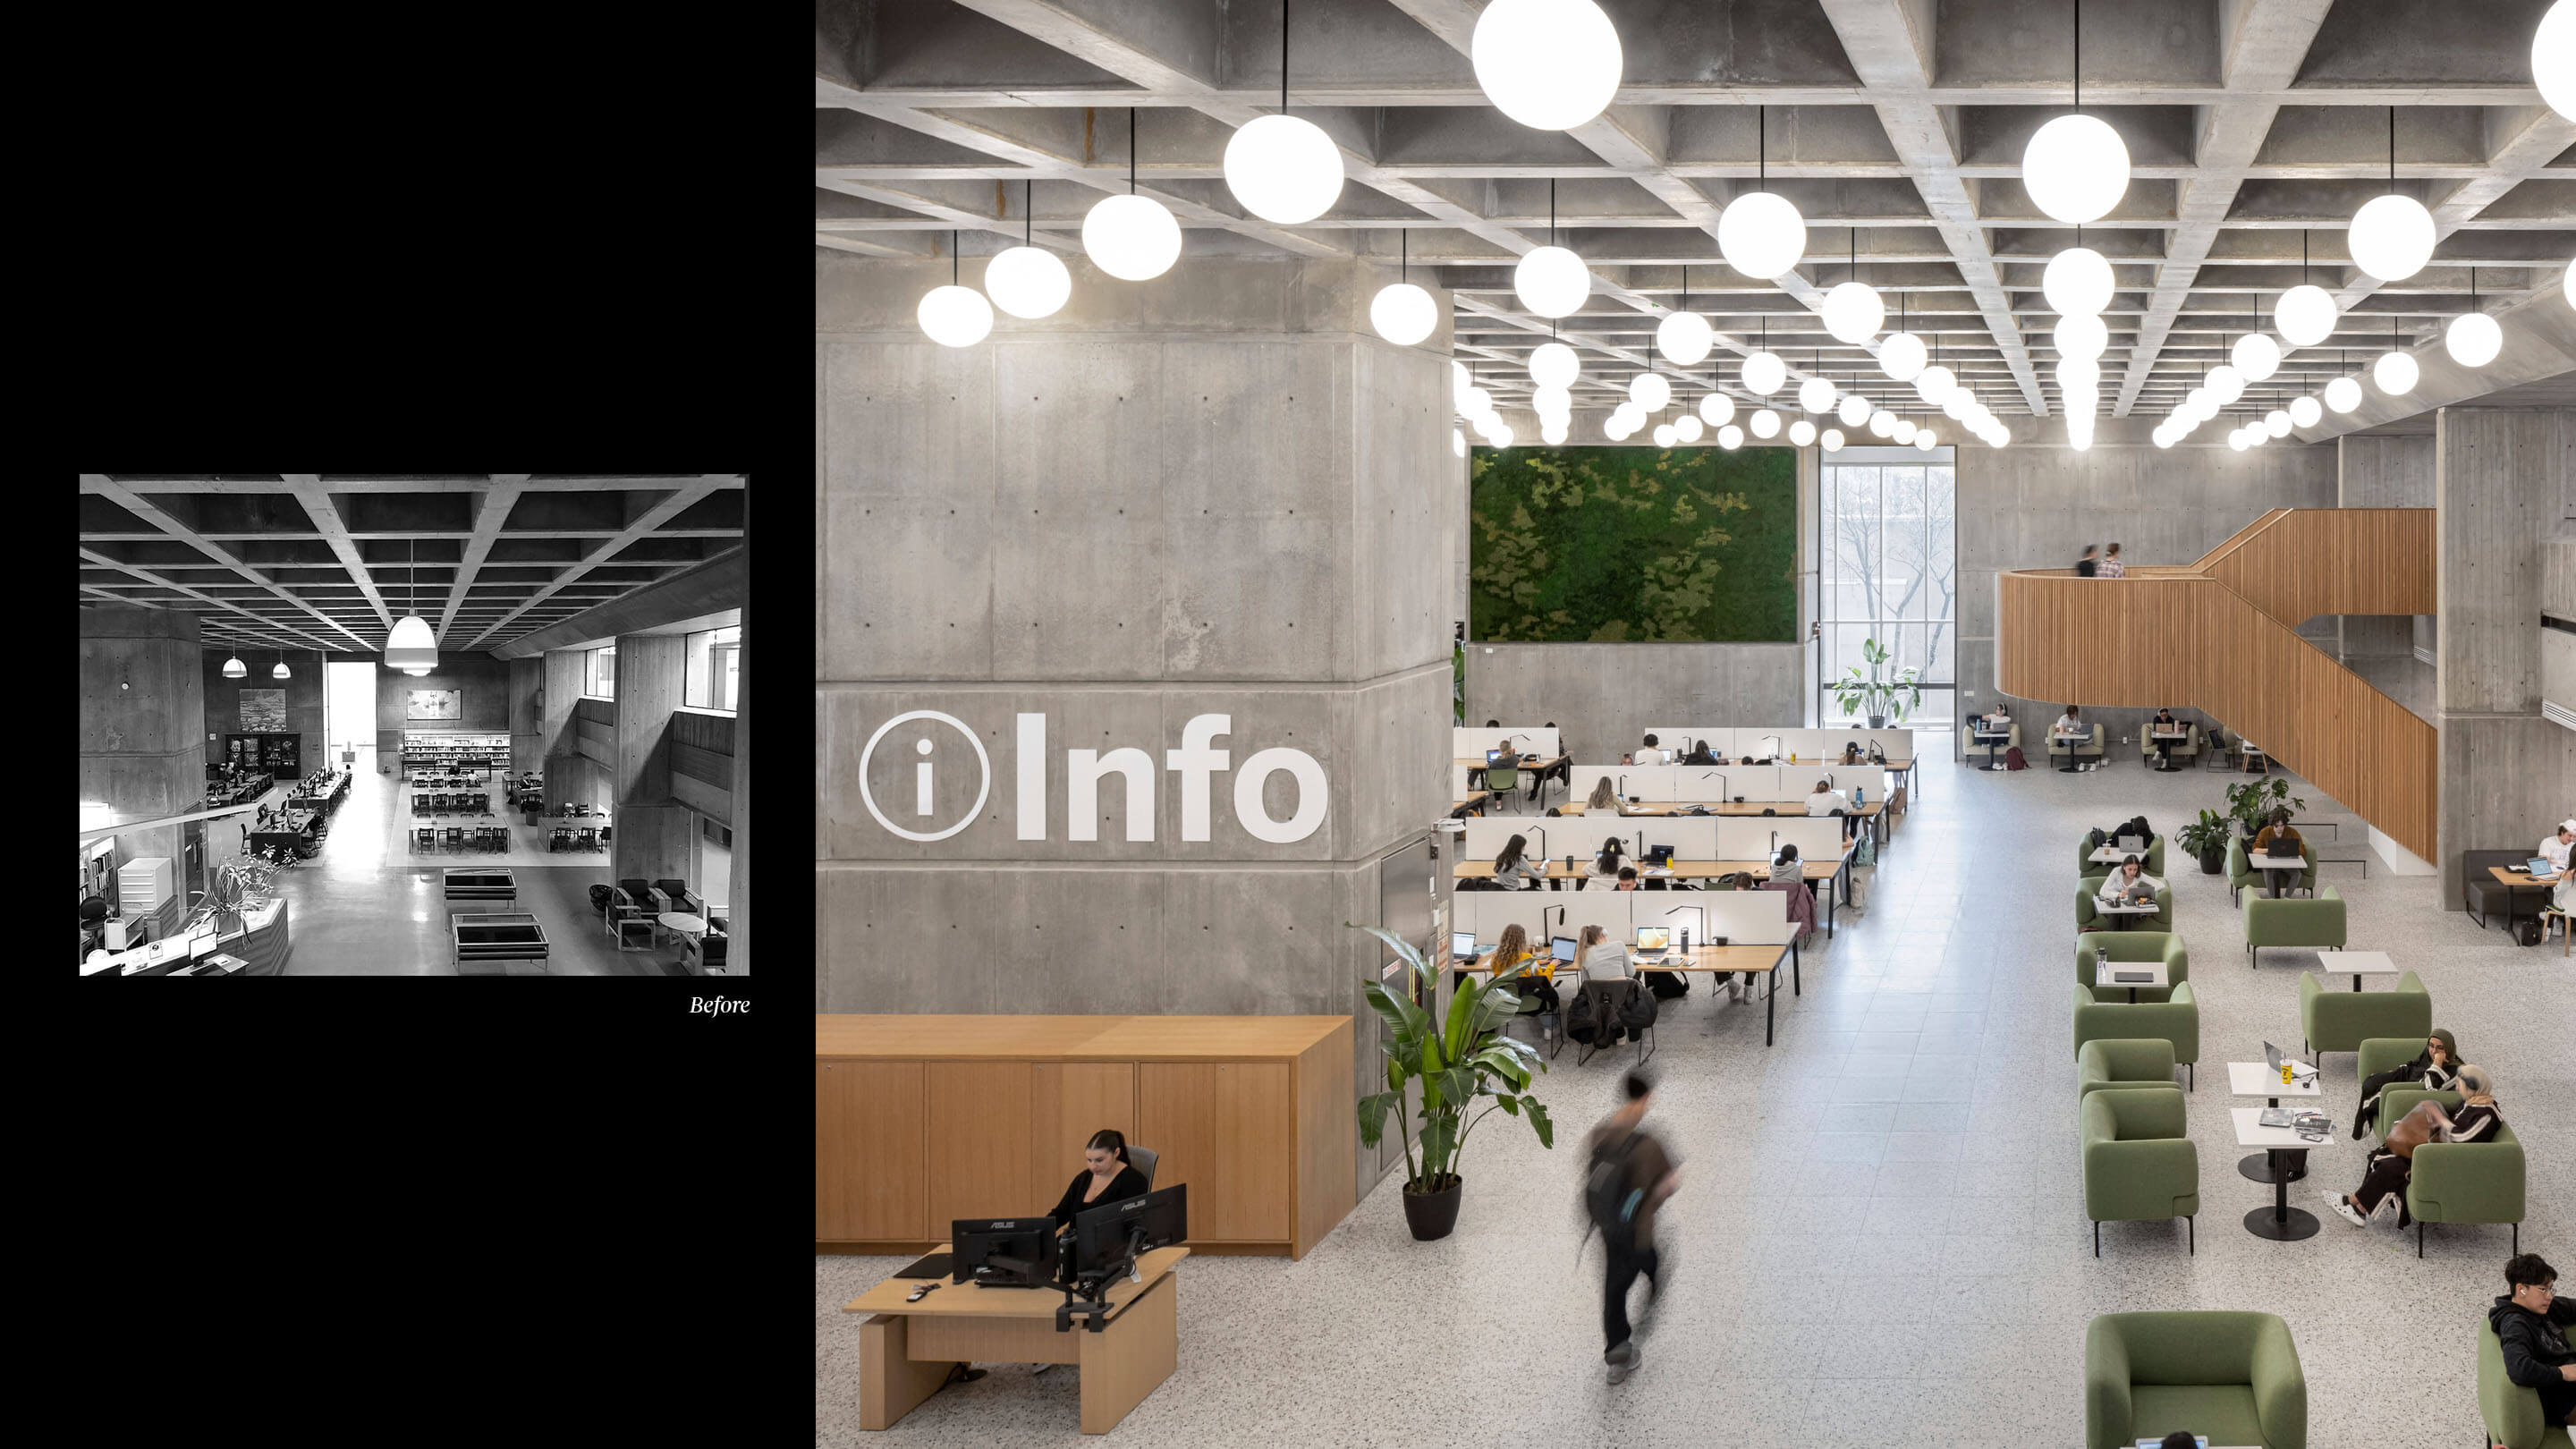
{"x":2512,"y":1412}
{"x":2138,"y":1164}
{"x":2186,"y":749}
{"x":2105,"y":1013}
{"x":2458,"y":1182}
{"x":472,"y":883}
{"x":496,"y":939}
{"x":2316,"y":924}
{"x":2233,"y":1378}
{"x":2340,"y":1021}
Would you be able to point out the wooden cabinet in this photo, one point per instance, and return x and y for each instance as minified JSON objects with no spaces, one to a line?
{"x":868,"y":1150}
{"x":921,"y":1120}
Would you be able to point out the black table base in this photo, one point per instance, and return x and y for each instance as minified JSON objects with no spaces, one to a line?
{"x":2282,"y":1223}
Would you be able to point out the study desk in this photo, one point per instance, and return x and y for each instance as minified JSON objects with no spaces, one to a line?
{"x":905,"y":1349}
{"x":2515,"y":880}
{"x":1536,"y":767}
{"x":2356,"y":964}
{"x":2281,"y":1223}
{"x":2072,"y":743}
{"x":1762,"y":961}
{"x":2273,"y":870}
{"x":1827,"y":874}
{"x":1993,"y":740}
{"x":1875,"y":812}
{"x":2114,"y":855}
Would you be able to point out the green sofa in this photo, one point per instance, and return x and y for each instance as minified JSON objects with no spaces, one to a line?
{"x":2153,"y":858}
{"x":2316,"y":924}
{"x":2138,"y":1165}
{"x":2459,"y":1182}
{"x":2086,"y":917}
{"x":2176,"y":1022}
{"x":2512,"y":1412}
{"x":2242,"y":875}
{"x":2112,"y":1062}
{"x":2340,"y":1021}
{"x":2233,"y":1377}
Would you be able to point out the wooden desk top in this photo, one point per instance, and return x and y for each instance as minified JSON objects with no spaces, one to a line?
{"x":1756,"y":959}
{"x":1781,"y":810}
{"x":1527,"y":762}
{"x":1072,"y":1038}
{"x":2514,"y":877}
{"x":1682,"y":870}
{"x":973,"y":1300}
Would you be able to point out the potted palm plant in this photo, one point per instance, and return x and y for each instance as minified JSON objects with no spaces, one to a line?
{"x":2249,"y":803}
{"x":2207,"y":839}
{"x":1882,"y":694}
{"x":1456,"y":1066}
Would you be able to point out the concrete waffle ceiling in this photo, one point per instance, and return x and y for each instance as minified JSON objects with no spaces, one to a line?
{"x":326,"y":560}
{"x":2255,"y":129}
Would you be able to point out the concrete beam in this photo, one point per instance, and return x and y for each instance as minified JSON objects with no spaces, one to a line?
{"x":326,"y":522}
{"x":670,"y":507}
{"x":495,"y":510}
{"x":152,"y":513}
{"x":722,"y":582}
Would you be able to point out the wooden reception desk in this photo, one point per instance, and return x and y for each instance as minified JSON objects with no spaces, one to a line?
{"x":921,"y":1120}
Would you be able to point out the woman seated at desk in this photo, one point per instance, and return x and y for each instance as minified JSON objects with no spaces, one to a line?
{"x":1106,"y":1178}
{"x":1604,"y":799}
{"x":1513,"y":870}
{"x":2130,"y":884}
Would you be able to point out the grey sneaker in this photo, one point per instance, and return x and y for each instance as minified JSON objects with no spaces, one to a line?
{"x":1623,"y":1362}
{"x":2343,"y":1209}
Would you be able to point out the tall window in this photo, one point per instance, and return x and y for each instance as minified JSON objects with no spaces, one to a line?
{"x":714,"y":656}
{"x":599,"y":673}
{"x":1889,"y":566}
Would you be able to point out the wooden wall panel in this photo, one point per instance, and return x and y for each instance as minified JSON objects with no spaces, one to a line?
{"x":977,"y":1143}
{"x":868,"y":1122}
{"x":1068,"y":1102}
{"x":2295,"y":564}
{"x":1217,"y":1125}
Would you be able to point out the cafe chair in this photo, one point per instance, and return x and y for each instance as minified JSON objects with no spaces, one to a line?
{"x":2340,"y":1021}
{"x":589,"y":839}
{"x":2459,"y":1182}
{"x":2231,"y":1377}
{"x":2317,"y":924}
{"x":455,"y":837}
{"x":1503,"y":783}
{"x":422,"y":838}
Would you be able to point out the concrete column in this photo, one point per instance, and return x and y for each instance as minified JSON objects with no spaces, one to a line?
{"x":652,"y":836}
{"x":527,"y":740}
{"x":2503,"y":480}
{"x":566,"y":771}
{"x":142,"y":723}
{"x":1218,"y":495}
{"x":739,"y":892}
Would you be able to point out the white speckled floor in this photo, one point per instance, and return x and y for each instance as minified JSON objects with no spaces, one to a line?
{"x":1880,"y":1237}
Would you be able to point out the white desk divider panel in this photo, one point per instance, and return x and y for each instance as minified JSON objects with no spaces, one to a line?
{"x":1471,"y":744}
{"x":1652,"y":784}
{"x":1692,"y":838}
{"x":1743,"y":917}
{"x":1799,"y":781}
{"x":1486,"y":834}
{"x":1749,"y":837}
{"x":1679,"y":737}
{"x":1895,"y":744}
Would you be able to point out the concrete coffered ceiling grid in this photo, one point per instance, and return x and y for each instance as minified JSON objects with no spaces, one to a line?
{"x":326,"y":560}
{"x":2255,"y":129}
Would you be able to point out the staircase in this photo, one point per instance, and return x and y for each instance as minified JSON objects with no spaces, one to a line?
{"x":2218,"y":635}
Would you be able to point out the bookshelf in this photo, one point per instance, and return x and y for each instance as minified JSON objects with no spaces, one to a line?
{"x":281,"y":756}
{"x":471,"y":748}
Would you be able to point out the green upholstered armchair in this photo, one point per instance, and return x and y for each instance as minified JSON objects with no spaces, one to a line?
{"x":2153,"y":857}
{"x":2233,"y":1377}
{"x":2138,"y":1165}
{"x":2386,"y":1054}
{"x":2340,"y":1021}
{"x":2085,"y":915}
{"x":2111,"y":1062}
{"x":2512,"y":1412}
{"x":2241,"y":873}
{"x":2459,"y":1182}
{"x":2119,"y":946}
{"x":2176,"y":1022}
{"x":2317,"y":924}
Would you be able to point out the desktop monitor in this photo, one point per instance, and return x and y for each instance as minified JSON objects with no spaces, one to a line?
{"x":200,"y":945}
{"x":1654,"y":938}
{"x":1563,"y":948}
{"x":1106,"y":1238}
{"x":1462,"y":944}
{"x":1003,"y":1252}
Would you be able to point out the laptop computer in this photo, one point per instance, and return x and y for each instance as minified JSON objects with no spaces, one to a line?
{"x":1562,"y":948}
{"x":1492,"y":755}
{"x":2132,"y":845}
{"x":1659,"y":855}
{"x":2539,"y":865}
{"x":1462,"y":944}
{"x":1653,"y":941}
{"x":2272,"y":1057}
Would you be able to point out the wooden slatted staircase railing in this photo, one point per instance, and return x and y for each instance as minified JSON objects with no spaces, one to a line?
{"x":2219,"y":636}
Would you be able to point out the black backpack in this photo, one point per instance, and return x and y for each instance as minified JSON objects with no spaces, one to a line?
{"x":1582,"y":1021}
{"x":2526,"y":931}
{"x":1609,"y":1199}
{"x":1666,"y":985}
{"x":2093,"y":839}
{"x":1638,"y":1012}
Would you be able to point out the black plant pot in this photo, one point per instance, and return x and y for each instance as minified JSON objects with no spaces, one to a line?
{"x":1431,"y":1214}
{"x":2212,"y":859}
{"x":1878,"y":721}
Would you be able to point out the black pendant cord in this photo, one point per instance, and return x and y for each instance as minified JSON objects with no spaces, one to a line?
{"x":2392,"y":148}
{"x":1029,"y":213}
{"x":1551,"y":211}
{"x":1400,"y":255}
{"x":2303,"y":256}
{"x":952,"y":258}
{"x":1283,"y":57}
{"x":2079,"y":57}
{"x":1685,"y":286}
{"x":1761,"y":148}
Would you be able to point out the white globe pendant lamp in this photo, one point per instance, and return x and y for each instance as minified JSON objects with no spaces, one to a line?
{"x":1934,"y":383}
{"x":2567,"y":283}
{"x":1684,"y":337}
{"x":2305,"y":313}
{"x":1028,"y":280}
{"x":2076,"y":168}
{"x":1763,"y":372}
{"x":2255,"y":354}
{"x":410,"y":646}
{"x":2395,"y":372}
{"x":955,"y":316}
{"x":1717,"y":409}
{"x":1801,"y":433}
{"x":1688,"y":427}
{"x":2304,"y":412}
{"x":1549,"y":64}
{"x":1902,"y":356}
{"x":1650,"y":392}
{"x":2225,"y":385}
{"x":1730,"y":437}
{"x":2081,"y":336}
{"x":2277,"y":422}
{"x":1457,"y":442}
{"x":1479,"y":403}
{"x":1882,"y":423}
{"x":1551,"y":280}
{"x":2236,"y":440}
{"x":1854,"y":411}
{"x":1283,"y":168}
{"x":1403,"y":313}
{"x":1550,"y":402}
{"x":1766,"y":423}
{"x":2553,"y":58}
{"x":1853,"y":312}
{"x":1759,"y":233}
{"x":1901,"y":432}
{"x":1926,"y":439}
{"x":1552,"y":432}
{"x":1460,"y":379}
{"x":2391,"y":236}
{"x":1663,"y":435}
{"x":1815,"y":395}
{"x":2075,"y":373}
{"x":1131,"y":237}
{"x":2077,"y":282}
{"x":2343,"y":394}
{"x":1832,"y":439}
{"x":2473,"y":339}
{"x":1553,"y":364}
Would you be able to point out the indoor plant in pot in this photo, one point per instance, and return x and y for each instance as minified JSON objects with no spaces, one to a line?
{"x":2249,"y":803}
{"x":2207,"y":839}
{"x":1882,"y":694}
{"x":1456,"y":1066}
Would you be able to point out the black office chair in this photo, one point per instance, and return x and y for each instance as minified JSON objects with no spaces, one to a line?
{"x":1140,"y":1158}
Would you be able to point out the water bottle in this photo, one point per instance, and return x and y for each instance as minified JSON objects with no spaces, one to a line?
{"x":2101,"y":963}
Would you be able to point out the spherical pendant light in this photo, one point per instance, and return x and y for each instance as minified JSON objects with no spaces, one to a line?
{"x":2473,"y":339}
{"x":1131,"y":237}
{"x":1027,"y":281}
{"x":1926,"y":439}
{"x":2163,"y":438}
{"x":1763,"y":373}
{"x":1649,"y":391}
{"x":1553,"y":432}
{"x":2305,"y":314}
{"x":1854,"y":411}
{"x":1552,"y":281}
{"x":234,"y":668}
{"x":1832,"y":440}
{"x":1901,"y":431}
{"x":1457,"y":442}
{"x":2225,"y":384}
{"x":2391,"y":237}
{"x":1403,"y":313}
{"x":2256,"y":355}
{"x":955,"y":316}
{"x":2277,"y":422}
{"x":2553,"y":58}
{"x":2237,"y":441}
{"x":1479,"y":402}
{"x":1549,"y":64}
{"x":1902,"y":356}
{"x":2567,"y":283}
{"x":1761,"y":235}
{"x":2395,"y":372}
{"x":2077,"y":374}
{"x":1853,"y":312}
{"x":1283,"y":168}
{"x":1730,"y":437}
{"x":1958,"y":404}
{"x":2304,"y":412}
{"x":1615,"y":428}
{"x":1815,"y":395}
{"x":1684,"y":338}
{"x":1688,"y":427}
{"x":1460,"y":379}
{"x":1766,"y":423}
{"x":2077,"y":282}
{"x":2081,"y":336}
{"x":1717,"y":409}
{"x":2256,"y":435}
{"x":1551,"y":401}
{"x":2075,"y":168}
{"x":1554,"y":364}
{"x":1933,"y":384}
{"x":2343,"y":394}
{"x":1882,"y":423}
{"x":1663,"y":435}
{"x":1801,"y":433}
{"x":1502,"y":434}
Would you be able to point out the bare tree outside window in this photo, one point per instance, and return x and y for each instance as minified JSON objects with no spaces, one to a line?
{"x":1891,"y":572}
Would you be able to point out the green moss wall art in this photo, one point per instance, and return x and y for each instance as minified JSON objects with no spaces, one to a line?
{"x":1632,"y":544}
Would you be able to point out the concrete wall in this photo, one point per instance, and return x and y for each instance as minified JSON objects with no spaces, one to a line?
{"x":2036,"y":504}
{"x":303,"y":688}
{"x":484,"y":701}
{"x":141,"y":753}
{"x":527,"y":743}
{"x":2385,"y":473}
{"x":2504,"y":479}
{"x":1219,"y":492}
{"x":1603,"y":695}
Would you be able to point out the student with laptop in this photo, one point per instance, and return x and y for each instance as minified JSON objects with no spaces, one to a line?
{"x":2555,"y":853}
{"x":1601,"y":959}
{"x":1825,"y":799}
{"x":1608,"y":863}
{"x":1700,"y":754}
{"x":2277,"y":837}
{"x":2164,"y":720}
{"x":2130,"y":884}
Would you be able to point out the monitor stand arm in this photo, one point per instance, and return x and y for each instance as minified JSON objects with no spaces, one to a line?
{"x":1093,"y":1304}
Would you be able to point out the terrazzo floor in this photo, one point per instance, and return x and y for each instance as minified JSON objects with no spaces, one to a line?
{"x":1880,"y":1236}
